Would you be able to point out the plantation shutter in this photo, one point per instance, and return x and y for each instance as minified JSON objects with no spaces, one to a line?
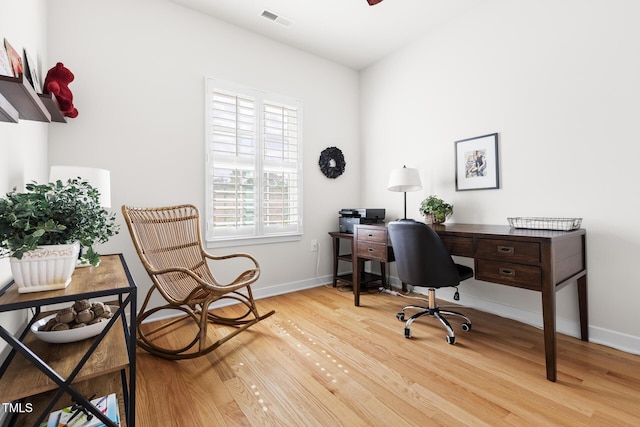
{"x":253,"y":164}
{"x":280,"y":175}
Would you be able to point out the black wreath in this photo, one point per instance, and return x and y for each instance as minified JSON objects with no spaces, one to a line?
{"x":327,"y":155}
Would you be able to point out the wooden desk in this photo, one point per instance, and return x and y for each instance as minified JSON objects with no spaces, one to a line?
{"x":539,"y":260}
{"x":362,"y":276}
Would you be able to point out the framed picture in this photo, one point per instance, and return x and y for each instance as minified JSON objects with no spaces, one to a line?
{"x":477,"y":163}
{"x":5,"y":65}
{"x":14,"y":59}
{"x":31,"y":71}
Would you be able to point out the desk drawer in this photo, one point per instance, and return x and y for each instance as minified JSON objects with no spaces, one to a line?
{"x":372,"y":234}
{"x":372,"y":251}
{"x":461,"y":246}
{"x":518,"y":275}
{"x":508,"y":250}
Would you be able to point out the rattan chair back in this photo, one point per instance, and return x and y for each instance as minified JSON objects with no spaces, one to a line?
{"x":168,"y":242}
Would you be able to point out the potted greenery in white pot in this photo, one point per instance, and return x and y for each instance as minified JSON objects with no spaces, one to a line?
{"x":435,"y":210}
{"x":52,"y":221}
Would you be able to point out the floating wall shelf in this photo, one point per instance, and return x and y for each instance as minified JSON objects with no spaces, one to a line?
{"x":7,"y":112}
{"x":49,"y":100}
{"x":21,"y":96}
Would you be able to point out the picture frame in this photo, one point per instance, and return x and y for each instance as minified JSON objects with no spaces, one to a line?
{"x":14,"y":59}
{"x":477,"y":163}
{"x":5,"y":64}
{"x":31,"y":71}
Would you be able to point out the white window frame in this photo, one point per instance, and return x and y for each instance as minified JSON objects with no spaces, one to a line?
{"x":260,"y":232}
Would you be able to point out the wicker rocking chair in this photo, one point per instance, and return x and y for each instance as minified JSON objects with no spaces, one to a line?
{"x":168,"y":242}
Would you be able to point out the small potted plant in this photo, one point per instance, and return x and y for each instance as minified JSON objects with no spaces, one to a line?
{"x":435,"y":210}
{"x":35,"y":223}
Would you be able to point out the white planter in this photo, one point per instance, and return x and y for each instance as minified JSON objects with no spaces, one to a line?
{"x":45,"y":268}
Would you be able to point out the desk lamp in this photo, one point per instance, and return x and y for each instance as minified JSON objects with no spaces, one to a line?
{"x":404,"y":179}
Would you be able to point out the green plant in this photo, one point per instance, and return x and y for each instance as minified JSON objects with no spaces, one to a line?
{"x":437,"y":207}
{"x":53,"y":214}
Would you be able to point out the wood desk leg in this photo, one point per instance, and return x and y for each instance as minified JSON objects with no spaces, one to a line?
{"x":549,"y":328}
{"x":358,"y":269}
{"x":336,"y":251}
{"x":355,"y":275}
{"x":583,"y":307}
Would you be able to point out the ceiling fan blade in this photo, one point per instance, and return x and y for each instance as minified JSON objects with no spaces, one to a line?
{"x":373,"y":2}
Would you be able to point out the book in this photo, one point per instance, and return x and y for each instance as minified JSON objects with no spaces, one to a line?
{"x":14,"y":58}
{"x":69,"y":416}
{"x":5,"y":65}
{"x":31,"y":72}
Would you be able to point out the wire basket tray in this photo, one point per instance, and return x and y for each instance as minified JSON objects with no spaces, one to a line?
{"x":561,"y":224}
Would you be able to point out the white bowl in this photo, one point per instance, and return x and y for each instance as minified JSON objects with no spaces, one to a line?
{"x":68,"y":335}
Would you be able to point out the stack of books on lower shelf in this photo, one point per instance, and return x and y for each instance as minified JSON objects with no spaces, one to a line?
{"x":74,"y":416}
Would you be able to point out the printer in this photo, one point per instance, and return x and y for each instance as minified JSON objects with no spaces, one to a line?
{"x":350,"y":217}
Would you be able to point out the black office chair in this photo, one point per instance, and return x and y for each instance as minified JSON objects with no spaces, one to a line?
{"x":423,"y":260}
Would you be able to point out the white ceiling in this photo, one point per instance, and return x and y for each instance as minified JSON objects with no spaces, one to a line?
{"x":348,"y":32}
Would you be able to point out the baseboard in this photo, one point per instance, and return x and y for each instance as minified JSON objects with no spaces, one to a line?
{"x":613,"y":339}
{"x":271,"y":291}
{"x":265,"y":292}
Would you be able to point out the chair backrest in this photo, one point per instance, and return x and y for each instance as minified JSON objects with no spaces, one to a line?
{"x":168,"y":237}
{"x":421,"y":257}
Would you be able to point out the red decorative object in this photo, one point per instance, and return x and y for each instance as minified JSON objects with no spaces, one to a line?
{"x":373,"y":2}
{"x":57,"y":83}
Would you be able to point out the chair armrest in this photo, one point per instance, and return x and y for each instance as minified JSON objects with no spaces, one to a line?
{"x":240,"y":255}
{"x":243,"y":279}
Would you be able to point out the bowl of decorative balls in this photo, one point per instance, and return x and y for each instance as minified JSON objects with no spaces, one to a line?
{"x":81,"y":321}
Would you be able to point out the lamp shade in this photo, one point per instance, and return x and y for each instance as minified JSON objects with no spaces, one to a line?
{"x":99,"y":179}
{"x":404,"y":179}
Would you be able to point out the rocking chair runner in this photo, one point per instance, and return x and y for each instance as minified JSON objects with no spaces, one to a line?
{"x":168,"y":242}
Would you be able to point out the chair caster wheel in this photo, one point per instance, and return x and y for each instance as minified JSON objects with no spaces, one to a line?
{"x":407,"y":333}
{"x":466,"y":326}
{"x":451,"y":340}
{"x":400,"y":316}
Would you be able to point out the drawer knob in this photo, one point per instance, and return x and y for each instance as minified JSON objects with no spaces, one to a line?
{"x":370,"y":235}
{"x":371,"y":249}
{"x":505,"y":249}
{"x":507,"y":271}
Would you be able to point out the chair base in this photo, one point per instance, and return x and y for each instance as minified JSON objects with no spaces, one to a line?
{"x":435,"y":311}
{"x":155,"y":343}
{"x":159,"y":351}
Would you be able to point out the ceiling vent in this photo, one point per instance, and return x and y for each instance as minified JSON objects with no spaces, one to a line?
{"x":276,"y":18}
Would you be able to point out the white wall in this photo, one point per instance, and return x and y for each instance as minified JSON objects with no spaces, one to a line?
{"x":23,"y":145}
{"x":559,"y":82}
{"x":139,"y":87}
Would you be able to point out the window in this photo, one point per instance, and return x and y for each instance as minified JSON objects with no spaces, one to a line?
{"x":253,"y":165}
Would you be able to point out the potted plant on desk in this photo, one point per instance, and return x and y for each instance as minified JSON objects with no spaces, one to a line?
{"x":435,"y":210}
{"x":43,"y":229}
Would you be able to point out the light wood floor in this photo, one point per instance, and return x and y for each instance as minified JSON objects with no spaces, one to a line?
{"x":320,"y":361}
